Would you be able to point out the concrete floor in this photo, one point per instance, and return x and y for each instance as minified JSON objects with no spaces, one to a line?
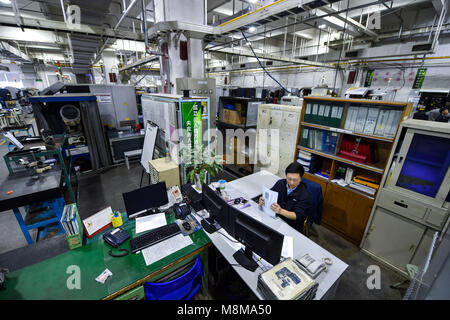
{"x":105,"y":189}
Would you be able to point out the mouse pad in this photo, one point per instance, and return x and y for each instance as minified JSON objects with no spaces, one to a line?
{"x":195,"y":225}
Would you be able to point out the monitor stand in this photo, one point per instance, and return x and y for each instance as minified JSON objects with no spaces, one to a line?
{"x":208,"y":225}
{"x":245,"y":258}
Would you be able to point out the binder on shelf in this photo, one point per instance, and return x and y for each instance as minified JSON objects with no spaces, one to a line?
{"x":327,"y":115}
{"x":315,"y":113}
{"x":308,"y":112}
{"x":305,"y":137}
{"x":382,"y":122}
{"x":393,"y":121}
{"x":337,"y":112}
{"x":321,"y":114}
{"x":361,"y":119}
{"x":350,"y":120}
{"x":371,"y":121}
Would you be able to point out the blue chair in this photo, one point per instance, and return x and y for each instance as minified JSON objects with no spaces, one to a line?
{"x":182,"y":288}
{"x":315,"y":214}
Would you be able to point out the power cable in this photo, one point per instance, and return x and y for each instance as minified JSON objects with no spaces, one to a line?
{"x":261,"y":65}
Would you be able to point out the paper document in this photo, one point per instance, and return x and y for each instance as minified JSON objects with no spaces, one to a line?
{"x":150,"y":222}
{"x":270,"y":197}
{"x":288,"y":247}
{"x":164,"y":248}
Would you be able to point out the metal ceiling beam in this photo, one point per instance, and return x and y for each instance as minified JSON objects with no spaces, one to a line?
{"x":350,"y":21}
{"x":51,"y":25}
{"x":272,"y":57}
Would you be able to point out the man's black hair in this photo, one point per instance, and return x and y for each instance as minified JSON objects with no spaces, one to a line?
{"x":295,"y":167}
{"x":443,"y":108}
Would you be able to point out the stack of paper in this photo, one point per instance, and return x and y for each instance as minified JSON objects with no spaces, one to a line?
{"x":164,"y":248}
{"x":286,"y":281}
{"x":150,"y":222}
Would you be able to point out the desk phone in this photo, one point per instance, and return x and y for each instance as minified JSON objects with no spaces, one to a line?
{"x":116,"y":237}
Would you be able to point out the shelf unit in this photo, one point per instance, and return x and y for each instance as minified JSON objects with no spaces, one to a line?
{"x":347,"y":210}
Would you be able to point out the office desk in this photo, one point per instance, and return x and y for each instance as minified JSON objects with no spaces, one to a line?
{"x":328,"y":281}
{"x":251,"y":185}
{"x":49,"y":279}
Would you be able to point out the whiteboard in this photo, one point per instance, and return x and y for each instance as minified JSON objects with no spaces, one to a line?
{"x":149,"y":145}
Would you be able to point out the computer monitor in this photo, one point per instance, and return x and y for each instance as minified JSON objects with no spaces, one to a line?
{"x":259,"y":238}
{"x":141,"y":200}
{"x":218,"y":210}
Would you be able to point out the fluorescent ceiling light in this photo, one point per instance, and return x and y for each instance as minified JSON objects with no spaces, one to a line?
{"x":322,"y":26}
{"x":252,"y":29}
{"x":253,"y":1}
{"x":5,"y":1}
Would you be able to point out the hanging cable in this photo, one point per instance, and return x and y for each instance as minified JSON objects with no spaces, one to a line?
{"x":261,"y":65}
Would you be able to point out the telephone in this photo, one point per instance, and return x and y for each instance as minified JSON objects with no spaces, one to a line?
{"x":312,"y":266}
{"x":116,"y":237}
{"x":182,"y":210}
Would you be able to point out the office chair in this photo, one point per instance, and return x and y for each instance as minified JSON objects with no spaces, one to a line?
{"x":315,"y":214}
{"x":182,"y":288}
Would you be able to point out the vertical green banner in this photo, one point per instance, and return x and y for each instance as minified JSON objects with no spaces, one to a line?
{"x":192,"y":124}
{"x":420,"y":76}
{"x":369,"y":77}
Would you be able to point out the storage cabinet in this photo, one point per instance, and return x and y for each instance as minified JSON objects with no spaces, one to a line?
{"x":346,"y":212}
{"x":393,"y":237}
{"x":350,"y":141}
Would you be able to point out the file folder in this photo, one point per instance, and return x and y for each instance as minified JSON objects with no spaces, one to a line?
{"x":315,"y":113}
{"x":308,"y":111}
{"x":327,"y":115}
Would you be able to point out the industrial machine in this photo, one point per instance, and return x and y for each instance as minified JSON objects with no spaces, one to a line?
{"x":387,"y":94}
{"x":183,"y":123}
{"x":201,"y":87}
{"x":116,"y":103}
{"x":414,"y":197}
{"x":291,"y":101}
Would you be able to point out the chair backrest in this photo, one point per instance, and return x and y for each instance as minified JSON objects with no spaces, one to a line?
{"x":315,"y":191}
{"x":181,"y":288}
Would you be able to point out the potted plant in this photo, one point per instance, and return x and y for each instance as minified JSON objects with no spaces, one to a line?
{"x":199,"y":162}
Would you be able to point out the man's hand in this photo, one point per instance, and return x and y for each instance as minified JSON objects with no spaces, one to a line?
{"x":276,"y":208}
{"x":261,"y":201}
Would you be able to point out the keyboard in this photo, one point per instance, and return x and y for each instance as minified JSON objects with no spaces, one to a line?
{"x":154,"y":236}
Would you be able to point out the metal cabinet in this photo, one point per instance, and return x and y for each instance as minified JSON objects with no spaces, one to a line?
{"x":414,"y":201}
{"x":393,"y":237}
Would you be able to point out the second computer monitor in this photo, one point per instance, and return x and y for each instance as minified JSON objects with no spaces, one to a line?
{"x":218,"y":209}
{"x":259,"y":238}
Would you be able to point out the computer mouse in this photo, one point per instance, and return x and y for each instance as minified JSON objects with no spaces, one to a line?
{"x":186,"y":226}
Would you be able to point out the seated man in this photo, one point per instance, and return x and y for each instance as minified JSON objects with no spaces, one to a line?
{"x":294,"y":202}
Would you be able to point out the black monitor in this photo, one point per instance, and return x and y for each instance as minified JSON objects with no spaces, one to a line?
{"x":141,"y":200}
{"x":218,"y":211}
{"x":259,"y":238}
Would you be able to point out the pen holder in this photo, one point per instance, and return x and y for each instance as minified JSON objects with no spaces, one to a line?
{"x":116,"y":219}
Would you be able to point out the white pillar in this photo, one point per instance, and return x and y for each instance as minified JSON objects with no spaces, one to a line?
{"x":174,"y":67}
{"x":110,"y":66}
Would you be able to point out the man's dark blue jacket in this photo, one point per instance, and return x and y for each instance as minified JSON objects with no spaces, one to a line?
{"x":299,"y":201}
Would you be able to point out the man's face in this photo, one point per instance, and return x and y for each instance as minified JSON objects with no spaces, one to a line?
{"x":445,"y":112}
{"x":293,"y":179}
